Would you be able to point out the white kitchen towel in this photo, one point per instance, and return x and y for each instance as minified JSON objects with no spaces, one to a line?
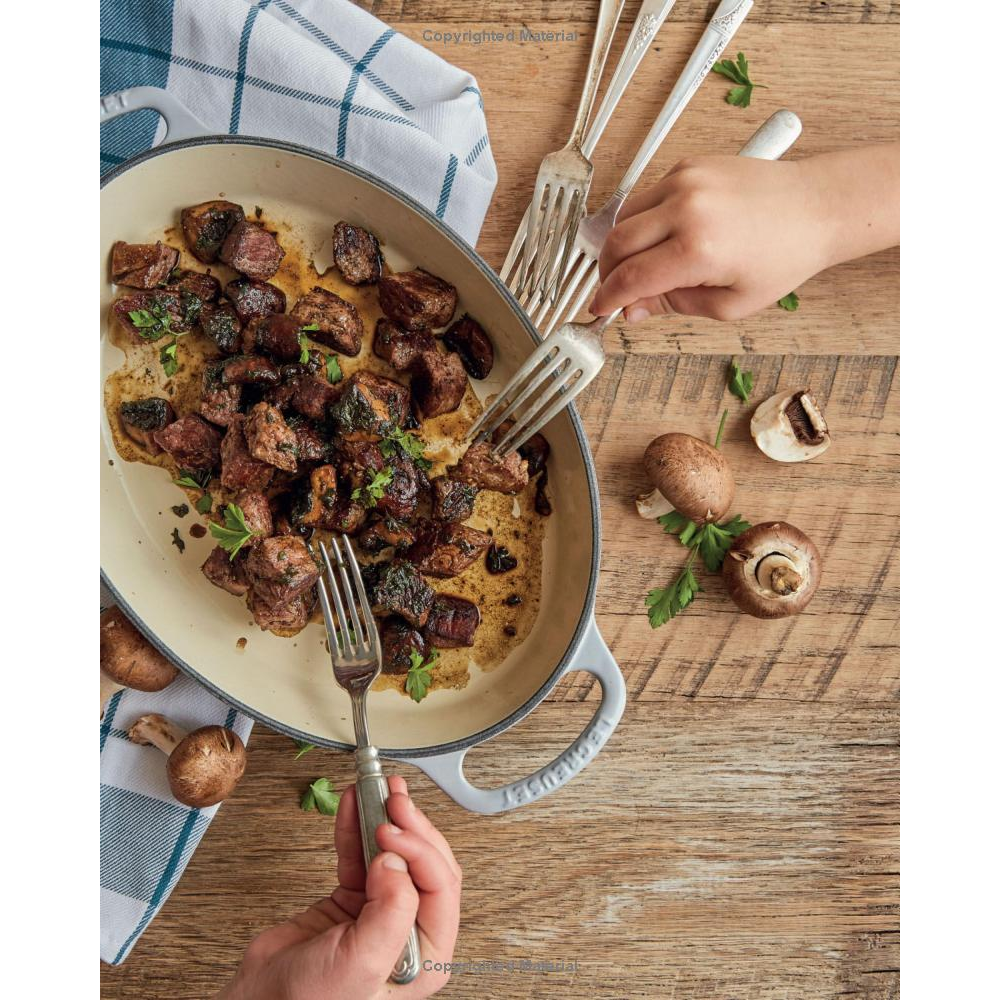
{"x":327,"y":75}
{"x":322,"y":73}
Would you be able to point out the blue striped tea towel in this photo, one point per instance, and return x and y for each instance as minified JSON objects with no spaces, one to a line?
{"x":327,"y":75}
{"x":322,"y":73}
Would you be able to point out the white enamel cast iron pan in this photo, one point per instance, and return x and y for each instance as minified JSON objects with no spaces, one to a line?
{"x":287,"y":683}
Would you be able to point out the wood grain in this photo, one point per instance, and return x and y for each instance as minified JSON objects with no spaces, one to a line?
{"x":737,"y":838}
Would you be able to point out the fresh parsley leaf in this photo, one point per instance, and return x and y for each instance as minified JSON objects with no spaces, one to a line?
{"x":333,"y":372}
{"x":714,"y":544}
{"x":673,"y":523}
{"x":234,"y":534}
{"x":193,"y":480}
{"x":168,"y":358}
{"x":735,"y":526}
{"x":710,"y":541}
{"x":204,"y":503}
{"x":309,"y":328}
{"x":374,"y":490}
{"x":689,"y":536}
{"x":303,"y":748}
{"x":738,"y":72}
{"x":789,"y":302}
{"x":152,"y":323}
{"x":418,"y":679}
{"x":320,"y":795}
{"x":407,"y":444}
{"x":665,"y":603}
{"x":304,"y":353}
{"x":740,"y":382}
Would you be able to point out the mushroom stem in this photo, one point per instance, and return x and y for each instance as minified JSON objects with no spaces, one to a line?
{"x":778,"y":572}
{"x":652,"y":505}
{"x":156,"y":730}
{"x":109,"y":687}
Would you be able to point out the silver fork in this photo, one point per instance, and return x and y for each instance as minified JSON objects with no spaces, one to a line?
{"x":571,"y":357}
{"x":648,"y":22}
{"x":356,"y":653}
{"x":580,"y":270}
{"x":564,"y":176}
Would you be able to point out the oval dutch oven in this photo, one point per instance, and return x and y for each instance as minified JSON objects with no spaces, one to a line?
{"x":284,"y":683}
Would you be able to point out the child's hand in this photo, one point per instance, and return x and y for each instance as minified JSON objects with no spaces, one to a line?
{"x":345,"y":946}
{"x":724,"y":236}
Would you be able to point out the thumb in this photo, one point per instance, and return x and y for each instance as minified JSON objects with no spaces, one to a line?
{"x":386,"y":918}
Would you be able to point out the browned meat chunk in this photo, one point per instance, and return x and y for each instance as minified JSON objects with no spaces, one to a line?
{"x":148,"y":316}
{"x":446,"y":549}
{"x":142,"y":265}
{"x":313,"y":396}
{"x":192,"y":443}
{"x":535,"y":451}
{"x":312,"y":447}
{"x":282,"y":619}
{"x":276,"y":334}
{"x":401,"y":494}
{"x":220,"y":324}
{"x":254,"y":298}
{"x":252,"y":250}
{"x":452,"y":622}
{"x":479,"y":467}
{"x":417,"y":300}
{"x":142,"y":418}
{"x":385,"y":534}
{"x":207,"y":225}
{"x":249,"y":369}
{"x":472,"y":344}
{"x":204,"y":286}
{"x":399,"y":347}
{"x":225,"y":572}
{"x":399,"y":639}
{"x":256,"y":512}
{"x":438,"y":384}
{"x":322,"y":505}
{"x":280,"y":568}
{"x":396,"y":588}
{"x":357,"y":254}
{"x":369,"y":406}
{"x":240,"y":470}
{"x":330,"y":320}
{"x":219,"y":403}
{"x":269,"y":438}
{"x":452,"y":500}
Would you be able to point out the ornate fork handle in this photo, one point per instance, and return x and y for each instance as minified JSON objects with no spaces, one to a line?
{"x":607,"y":20}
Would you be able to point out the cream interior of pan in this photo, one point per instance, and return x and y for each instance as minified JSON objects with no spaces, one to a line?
{"x":289,"y":681}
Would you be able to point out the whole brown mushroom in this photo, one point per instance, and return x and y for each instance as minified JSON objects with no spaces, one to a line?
{"x":203,"y":766}
{"x":128,"y":660}
{"x":689,"y":476}
{"x":772,"y":570}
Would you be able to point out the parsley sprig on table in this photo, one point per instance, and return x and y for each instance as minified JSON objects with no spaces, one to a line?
{"x":710,"y":541}
{"x":407,"y":444}
{"x":740,"y":382}
{"x":320,"y":795}
{"x":374,"y":489}
{"x":738,"y":72}
{"x":789,"y":302}
{"x":665,"y":603}
{"x":234,"y":533}
{"x":303,"y":748}
{"x":418,"y":678}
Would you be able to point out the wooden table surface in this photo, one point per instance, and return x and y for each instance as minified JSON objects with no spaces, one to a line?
{"x":738,"y":836}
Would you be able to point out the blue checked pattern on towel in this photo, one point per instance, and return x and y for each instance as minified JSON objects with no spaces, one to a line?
{"x":327,"y":75}
{"x":322,"y":73}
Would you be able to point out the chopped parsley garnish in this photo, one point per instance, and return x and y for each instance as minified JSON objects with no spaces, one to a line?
{"x":234,"y":533}
{"x":406,"y":443}
{"x":152,"y":323}
{"x":168,"y":359}
{"x":333,"y":372}
{"x":303,"y":330}
{"x":320,"y":795}
{"x":193,"y":480}
{"x":789,"y":302}
{"x":374,"y":489}
{"x":418,"y":678}
{"x":738,"y":72}
{"x":204,"y":503}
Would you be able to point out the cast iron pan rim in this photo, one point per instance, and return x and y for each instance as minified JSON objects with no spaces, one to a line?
{"x":587,"y":611}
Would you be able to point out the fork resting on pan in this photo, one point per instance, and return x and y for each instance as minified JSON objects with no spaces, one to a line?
{"x":356,"y":652}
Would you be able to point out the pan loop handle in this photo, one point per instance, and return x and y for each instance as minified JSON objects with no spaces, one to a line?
{"x":180,"y":123}
{"x":595,"y":658}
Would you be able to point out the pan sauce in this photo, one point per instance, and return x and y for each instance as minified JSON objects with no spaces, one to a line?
{"x":511,"y":520}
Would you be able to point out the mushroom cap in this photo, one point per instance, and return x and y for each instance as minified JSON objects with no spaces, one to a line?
{"x":206,"y":766}
{"x":790,"y":427}
{"x":691,"y":475}
{"x":128,"y":659}
{"x":769,"y":555}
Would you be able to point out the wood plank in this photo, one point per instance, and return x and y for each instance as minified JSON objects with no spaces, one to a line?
{"x":757,"y":856}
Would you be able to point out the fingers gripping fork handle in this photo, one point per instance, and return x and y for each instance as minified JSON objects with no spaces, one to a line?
{"x":372,"y":794}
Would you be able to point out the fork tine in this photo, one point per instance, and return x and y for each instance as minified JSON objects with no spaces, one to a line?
{"x":516,"y":246}
{"x":550,"y":368}
{"x":348,"y":593}
{"x":561,"y":234}
{"x":531,"y":240}
{"x":343,"y":635}
{"x":539,"y":262}
{"x":359,"y":585}
{"x":577,"y":264}
{"x":560,"y":401}
{"x":560,"y":381}
{"x":584,"y":277}
{"x":324,"y":601}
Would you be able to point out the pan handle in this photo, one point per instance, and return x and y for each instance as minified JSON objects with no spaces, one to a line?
{"x":592,"y":656}
{"x":181,"y":124}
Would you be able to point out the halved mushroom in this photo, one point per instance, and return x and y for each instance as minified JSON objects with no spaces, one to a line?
{"x":790,"y":427}
{"x":128,"y":660}
{"x":689,"y":476}
{"x":772,"y":570}
{"x":203,"y":766}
